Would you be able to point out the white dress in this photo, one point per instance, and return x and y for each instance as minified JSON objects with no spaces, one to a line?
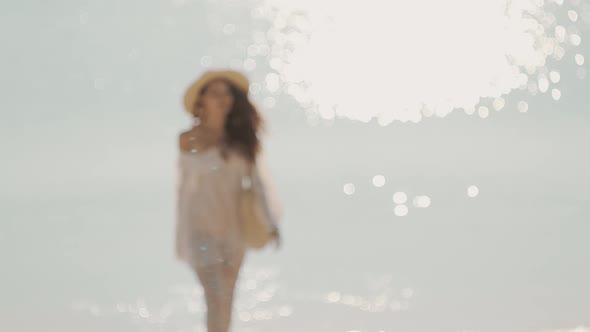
{"x":208,"y":191}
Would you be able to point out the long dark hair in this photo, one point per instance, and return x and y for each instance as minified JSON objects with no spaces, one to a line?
{"x":243,"y":124}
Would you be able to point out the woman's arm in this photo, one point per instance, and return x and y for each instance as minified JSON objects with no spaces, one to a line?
{"x":267,"y":192}
{"x":180,"y":206}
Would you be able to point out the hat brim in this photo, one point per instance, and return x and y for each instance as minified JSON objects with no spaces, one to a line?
{"x":191,"y":95}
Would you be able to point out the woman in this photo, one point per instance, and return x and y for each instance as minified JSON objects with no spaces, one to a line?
{"x":213,"y":162}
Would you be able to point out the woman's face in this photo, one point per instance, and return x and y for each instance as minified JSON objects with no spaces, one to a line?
{"x":217,"y":100}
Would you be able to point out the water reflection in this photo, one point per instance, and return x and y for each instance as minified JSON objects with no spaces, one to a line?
{"x":261,"y":296}
{"x":472,"y":191}
{"x":470,"y":60}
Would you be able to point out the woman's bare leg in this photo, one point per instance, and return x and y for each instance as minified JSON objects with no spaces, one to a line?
{"x":211,"y":278}
{"x":231,"y":271}
{"x":218,"y":281}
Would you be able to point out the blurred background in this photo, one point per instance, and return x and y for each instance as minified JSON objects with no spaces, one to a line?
{"x":432,"y":158}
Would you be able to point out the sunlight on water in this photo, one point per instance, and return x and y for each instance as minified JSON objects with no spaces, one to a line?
{"x":400,"y":210}
{"x":421,"y":201}
{"x":472,"y":191}
{"x":577,"y":329}
{"x":388,"y":62}
{"x":184,"y":304}
{"x":522,"y":106}
{"x":378,"y":180}
{"x":400,"y":197}
{"x":349,"y":188}
{"x":261,"y":296}
{"x":382,"y":298}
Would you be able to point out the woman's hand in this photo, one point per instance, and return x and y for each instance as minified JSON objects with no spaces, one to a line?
{"x":276,"y":237}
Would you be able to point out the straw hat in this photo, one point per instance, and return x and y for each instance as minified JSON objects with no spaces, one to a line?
{"x":191,"y":95}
